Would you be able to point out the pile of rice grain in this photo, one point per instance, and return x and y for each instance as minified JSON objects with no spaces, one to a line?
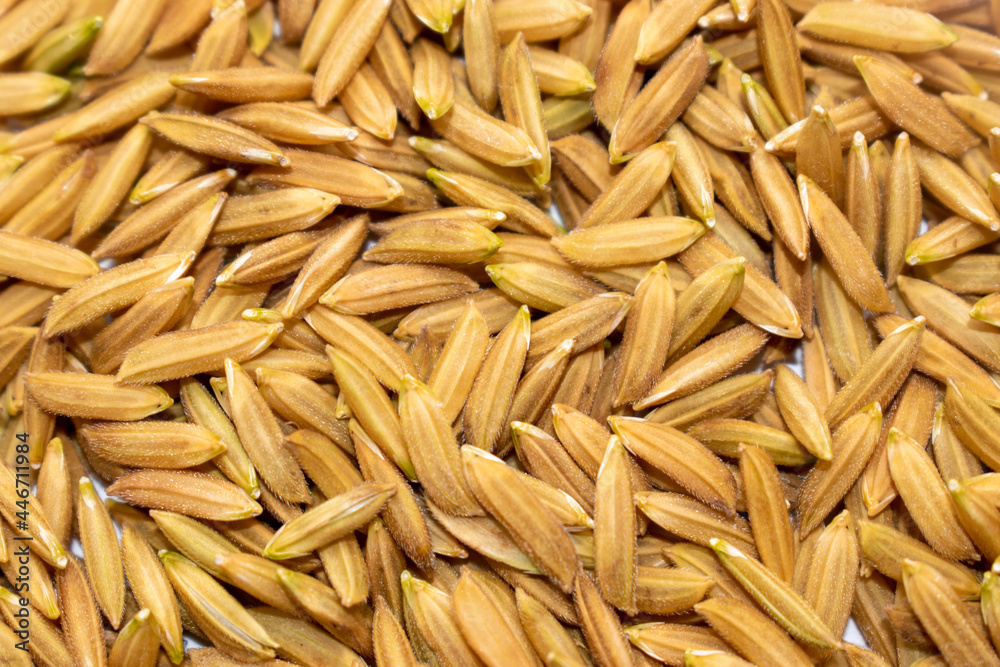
{"x":499,"y":333}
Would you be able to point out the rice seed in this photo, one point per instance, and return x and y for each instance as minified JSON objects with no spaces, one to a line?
{"x":802,"y":413}
{"x":384,"y":288}
{"x":953,"y":459}
{"x":195,"y":351}
{"x":912,"y":469}
{"x":502,"y":493}
{"x":888,"y":550}
{"x":152,"y":590}
{"x":703,"y":303}
{"x":778,"y":598}
{"x":828,"y":482}
{"x":971,"y":418}
{"x":81,"y":621}
{"x":761,"y":301}
{"x":768,"y":512}
{"x":169,"y":445}
{"x":895,"y":94}
{"x":665,"y":27}
{"x":44,"y":262}
{"x":910,"y":414}
{"x":326,"y":522}
{"x":26,"y":182}
{"x":781,"y":59}
{"x":172,"y":169}
{"x":289,"y":123}
{"x":94,"y":396}
{"x":711,"y":658}
{"x":585,"y":163}
{"x":972,"y":273}
{"x":324,"y":462}
{"x":560,"y":74}
{"x":112,"y":290}
{"x":111,"y":185}
{"x":53,"y":487}
{"x":371,"y":407}
{"x":215,"y":137}
{"x":977,"y":516}
{"x":49,"y":214}
{"x":753,"y":634}
{"x":261,"y":436}
{"x":177,"y":24}
{"x":433,"y":613}
{"x":122,"y":38}
{"x":200,"y":544}
{"x":615,"y":75}
{"x":351,"y":626}
{"x":669,"y":642}
{"x":704,"y":365}
{"x":100,"y":548}
{"x":434,"y":452}
{"x":272,"y":261}
{"x":202,"y":410}
{"x":692,"y":520}
{"x":433,"y":82}
{"x":880,"y":376}
{"x":948,"y":315}
{"x":27,"y":24}
{"x":600,"y":624}
{"x":368,"y":103}
{"x":190,"y":493}
{"x":614,"y":529}
{"x":839,"y":22}
{"x":680,"y":457}
{"x":391,"y":645}
{"x":244,"y":85}
{"x":347,"y":46}
{"x":642,"y":356}
{"x":521,"y":215}
{"x":173,"y":209}
{"x":444,"y":242}
{"x":724,"y":436}
{"x":660,"y":102}
{"x":542,"y":286}
{"x":902,"y":207}
{"x":549,"y":20}
{"x":495,"y":141}
{"x":948,"y":239}
{"x":628,"y":241}
{"x":720,"y":122}
{"x":219,"y":615}
{"x":325,"y":265}
{"x":545,"y":633}
{"x":691,"y":174}
{"x":779,"y":201}
{"x":953,"y":187}
{"x":585,"y":323}
{"x":481,"y":601}
{"x":302,"y":641}
{"x":836,"y":552}
{"x":845,"y":250}
{"x":122,"y":106}
{"x":736,"y":397}
{"x":356,"y":337}
{"x":31,"y":92}
{"x":944,"y":617}
{"x":48,"y":645}
{"x":493,"y":390}
{"x":522,"y":105}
